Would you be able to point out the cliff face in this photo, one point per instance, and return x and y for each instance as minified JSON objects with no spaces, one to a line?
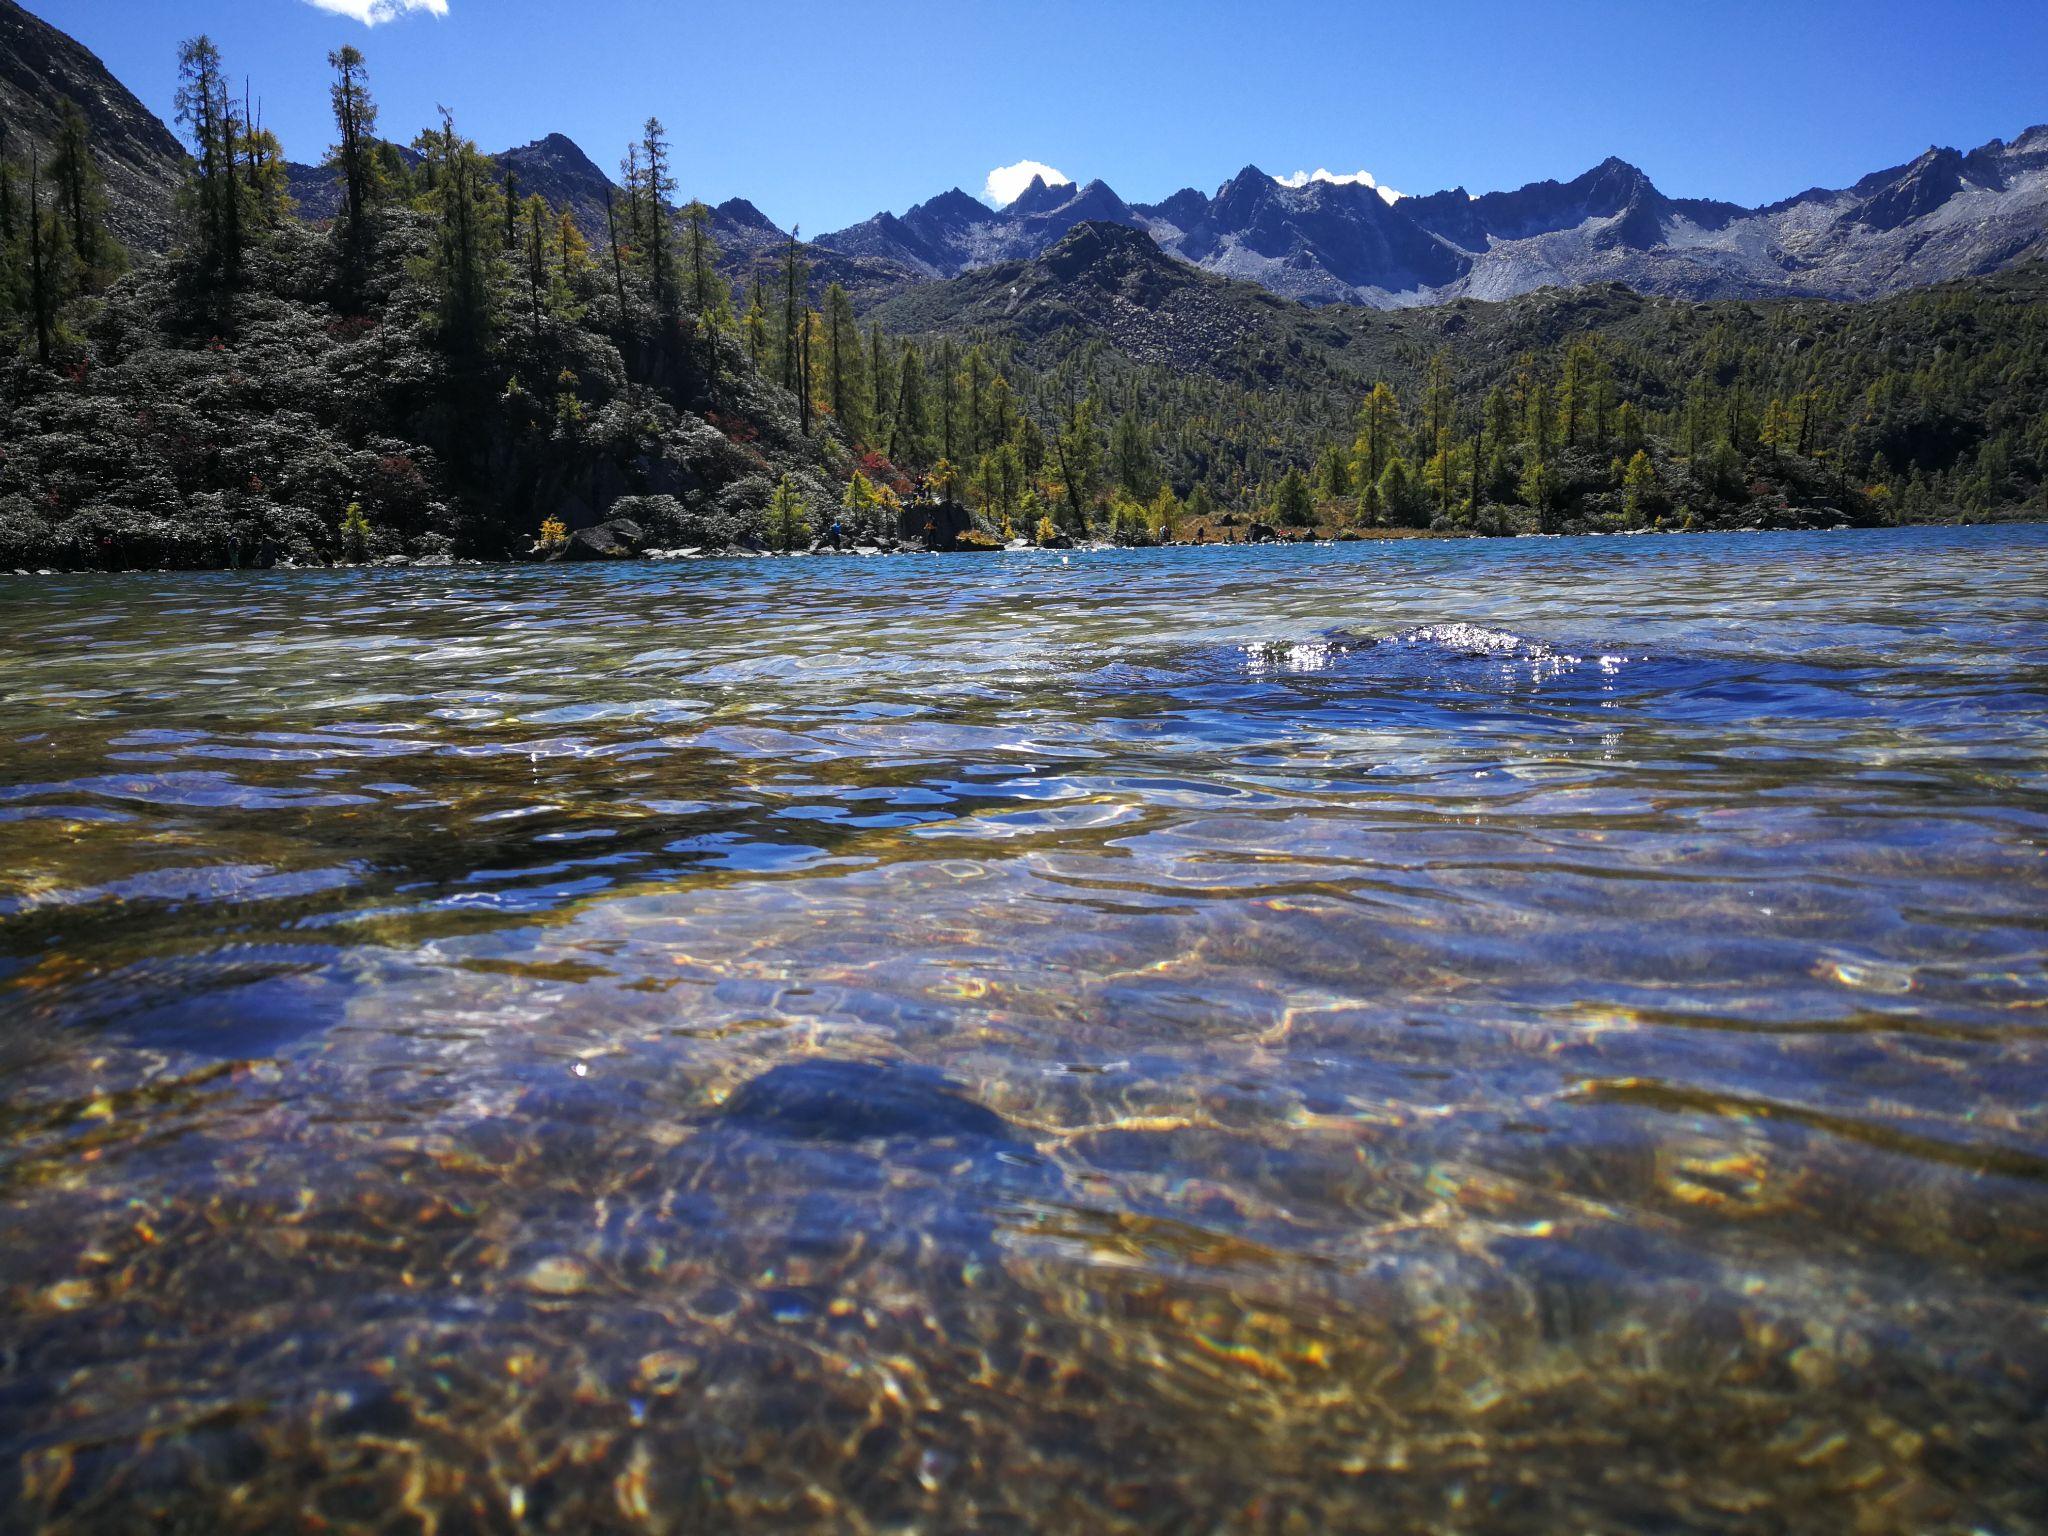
{"x":39,"y":68}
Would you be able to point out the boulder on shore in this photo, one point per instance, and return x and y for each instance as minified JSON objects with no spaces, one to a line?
{"x":618,"y":539}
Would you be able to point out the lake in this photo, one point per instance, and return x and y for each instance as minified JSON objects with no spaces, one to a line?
{"x":1466,"y":1036}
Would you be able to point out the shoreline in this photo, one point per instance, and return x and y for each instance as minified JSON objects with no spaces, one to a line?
{"x":1092,"y":547}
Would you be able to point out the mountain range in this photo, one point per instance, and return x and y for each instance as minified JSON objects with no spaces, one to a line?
{"x":1945,"y":214}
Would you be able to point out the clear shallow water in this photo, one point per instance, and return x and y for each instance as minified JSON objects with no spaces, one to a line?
{"x":1468,"y":1037}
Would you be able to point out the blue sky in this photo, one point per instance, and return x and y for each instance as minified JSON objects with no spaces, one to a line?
{"x":824,"y":112}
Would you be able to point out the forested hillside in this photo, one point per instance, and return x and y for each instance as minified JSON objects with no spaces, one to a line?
{"x":450,"y":364}
{"x":441,"y":369}
{"x":1520,"y":416}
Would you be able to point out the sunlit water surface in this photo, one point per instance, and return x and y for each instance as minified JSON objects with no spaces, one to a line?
{"x":1466,"y":1037}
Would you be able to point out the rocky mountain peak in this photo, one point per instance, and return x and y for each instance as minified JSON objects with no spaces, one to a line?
{"x":1039,"y":198}
{"x":40,"y":67}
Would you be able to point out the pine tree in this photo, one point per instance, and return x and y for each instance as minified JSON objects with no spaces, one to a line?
{"x":465,"y":262}
{"x":81,"y":198}
{"x":1476,"y":498}
{"x":947,"y":364}
{"x":794,"y":272}
{"x":636,"y":219}
{"x":42,"y":263}
{"x":843,"y":360}
{"x":355,"y":122}
{"x":1378,"y":421}
{"x":708,"y":293}
{"x":207,"y":112}
{"x":787,"y":515}
{"x":611,"y":229}
{"x":1333,"y":473}
{"x":1638,"y":488}
{"x":881,"y":388}
{"x":537,"y":222}
{"x":1131,"y":458}
{"x":975,"y":375}
{"x":1439,"y":406}
{"x":1079,"y":451}
{"x":1540,"y":422}
{"x":1399,"y":498}
{"x":756,"y":327}
{"x":12,"y":296}
{"x":909,"y":430}
{"x":1294,"y":504}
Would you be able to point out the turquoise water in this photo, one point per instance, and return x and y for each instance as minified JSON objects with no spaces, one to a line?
{"x":1470,"y":1036}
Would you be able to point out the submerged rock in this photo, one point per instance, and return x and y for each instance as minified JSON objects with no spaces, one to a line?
{"x":850,"y":1101}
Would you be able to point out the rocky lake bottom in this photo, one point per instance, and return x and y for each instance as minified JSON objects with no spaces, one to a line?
{"x":1479,"y":1036}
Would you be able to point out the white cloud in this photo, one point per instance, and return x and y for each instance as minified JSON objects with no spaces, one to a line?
{"x":1007,"y":183}
{"x":1355,"y":179}
{"x":370,"y":12}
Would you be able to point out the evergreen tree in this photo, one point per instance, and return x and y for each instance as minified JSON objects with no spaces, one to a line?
{"x":355,"y":123}
{"x":709,"y":295}
{"x":1131,"y":458}
{"x":636,"y":217}
{"x":207,"y":112}
{"x":1638,"y":488}
{"x":788,"y":516}
{"x":1333,"y":473}
{"x":1079,"y":451}
{"x":909,"y":431}
{"x":81,"y":198}
{"x":843,"y":360}
{"x":1379,"y":419}
{"x":658,"y":185}
{"x":975,"y":377}
{"x":881,"y":386}
{"x":43,"y":266}
{"x":946,"y":364}
{"x":1399,"y":498}
{"x":465,"y":262}
{"x":611,"y":229}
{"x":756,"y":327}
{"x":1294,"y":504}
{"x":536,"y":222}
{"x":795,"y":270}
